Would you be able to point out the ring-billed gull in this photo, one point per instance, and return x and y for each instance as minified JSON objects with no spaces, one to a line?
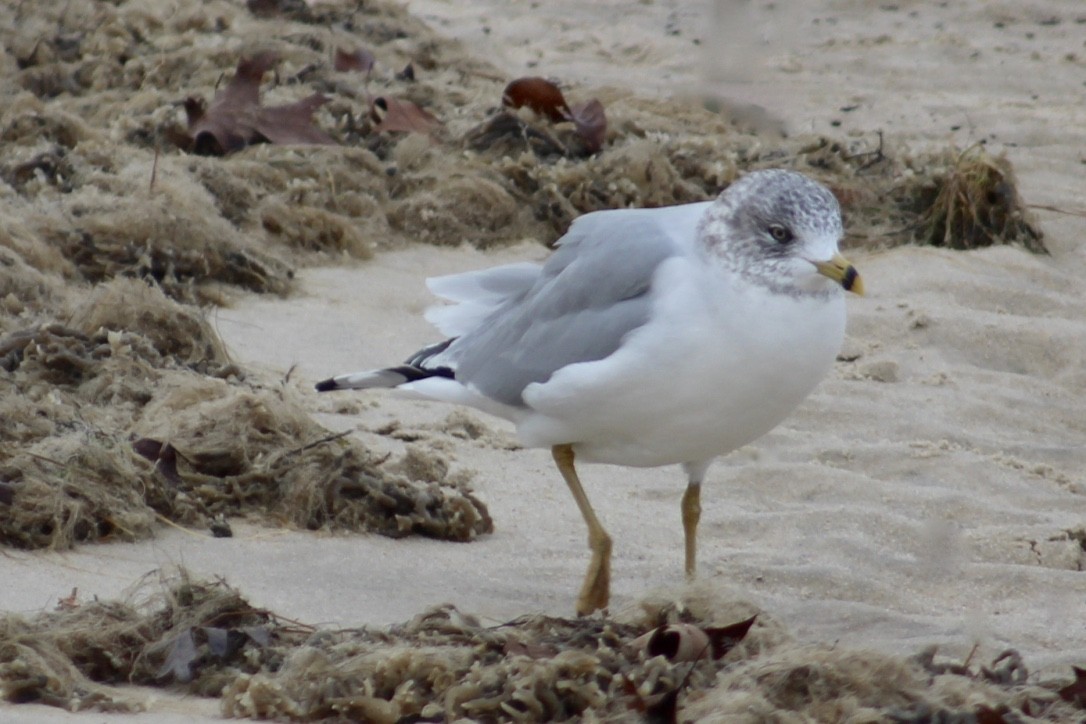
{"x":649,"y":337}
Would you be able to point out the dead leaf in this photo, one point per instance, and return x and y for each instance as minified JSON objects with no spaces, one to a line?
{"x":1075,"y":692}
{"x":507,"y":133}
{"x":675,"y":642}
{"x":293,"y":123}
{"x":987,"y":715}
{"x":298,"y":10}
{"x":358,"y":61}
{"x":591,"y":123}
{"x":688,"y":642}
{"x":538,"y":94}
{"x":163,"y":455}
{"x":664,"y":709}
{"x":726,"y":638}
{"x":69,"y":602}
{"x":396,"y":114}
{"x":235,"y":118}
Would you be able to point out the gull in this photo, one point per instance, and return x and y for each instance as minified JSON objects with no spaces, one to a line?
{"x":650,"y":337}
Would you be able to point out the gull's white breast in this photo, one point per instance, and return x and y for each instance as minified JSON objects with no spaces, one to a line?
{"x":719,"y":364}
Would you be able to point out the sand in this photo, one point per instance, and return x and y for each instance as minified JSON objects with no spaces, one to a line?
{"x":931,"y":491}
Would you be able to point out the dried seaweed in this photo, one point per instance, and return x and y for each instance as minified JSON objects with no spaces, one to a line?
{"x":204,"y":638}
{"x":977,"y":204}
{"x":68,"y":658}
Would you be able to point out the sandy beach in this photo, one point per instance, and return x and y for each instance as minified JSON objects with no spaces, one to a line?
{"x":931,"y":492}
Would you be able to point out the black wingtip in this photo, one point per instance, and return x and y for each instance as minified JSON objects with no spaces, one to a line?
{"x":327,"y":385}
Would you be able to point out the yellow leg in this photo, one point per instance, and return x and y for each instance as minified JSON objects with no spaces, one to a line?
{"x":596,"y":590}
{"x":691,"y":516}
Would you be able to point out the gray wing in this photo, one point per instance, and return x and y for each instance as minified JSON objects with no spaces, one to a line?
{"x":590,"y":294}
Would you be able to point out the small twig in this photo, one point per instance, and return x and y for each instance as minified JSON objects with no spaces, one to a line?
{"x":154,"y":172}
{"x":323,"y":440}
{"x":47,"y":460}
{"x":969,"y":658}
{"x":163,"y":519}
{"x":877,"y":154}
{"x":1057,"y":209}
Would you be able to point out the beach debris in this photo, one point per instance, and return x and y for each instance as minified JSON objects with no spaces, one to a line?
{"x":685,"y":642}
{"x":1075,"y":692}
{"x":235,"y":119}
{"x":399,"y":115}
{"x":163,"y":455}
{"x":505,"y":133}
{"x":69,"y":602}
{"x":538,"y":94}
{"x":544,"y":98}
{"x":975,"y":203}
{"x":591,"y":123}
{"x":354,"y":61}
{"x":204,"y":638}
{"x":299,"y":10}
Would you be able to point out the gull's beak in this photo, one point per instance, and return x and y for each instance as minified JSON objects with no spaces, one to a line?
{"x":841,"y":271}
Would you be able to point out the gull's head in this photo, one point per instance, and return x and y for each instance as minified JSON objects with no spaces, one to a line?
{"x":780,"y":229}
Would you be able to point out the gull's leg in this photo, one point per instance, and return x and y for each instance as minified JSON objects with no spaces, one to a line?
{"x":691,"y":506}
{"x":596,"y":590}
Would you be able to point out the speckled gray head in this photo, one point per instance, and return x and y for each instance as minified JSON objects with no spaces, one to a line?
{"x":780,"y":229}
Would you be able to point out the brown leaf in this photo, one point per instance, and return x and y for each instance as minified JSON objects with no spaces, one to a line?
{"x":290,"y":9}
{"x":396,"y":114}
{"x":163,"y":455}
{"x":987,"y":715}
{"x":591,"y":123}
{"x":1075,"y":692}
{"x":235,"y":118}
{"x":538,"y":94}
{"x":675,"y":642}
{"x":726,"y":638}
{"x":148,"y":448}
{"x":358,"y":61}
{"x":507,"y":133}
{"x":293,"y":123}
{"x":69,"y":602}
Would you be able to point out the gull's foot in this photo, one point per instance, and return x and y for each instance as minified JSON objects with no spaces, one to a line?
{"x":596,"y":590}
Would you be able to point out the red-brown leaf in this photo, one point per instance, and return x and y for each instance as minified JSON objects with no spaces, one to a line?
{"x":591,"y":123}
{"x":358,"y":61}
{"x":396,"y":114}
{"x":540,"y":95}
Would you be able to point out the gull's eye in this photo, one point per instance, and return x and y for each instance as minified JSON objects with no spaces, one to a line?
{"x":781,"y":234}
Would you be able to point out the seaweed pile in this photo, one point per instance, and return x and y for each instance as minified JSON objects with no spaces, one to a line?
{"x":204,"y":638}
